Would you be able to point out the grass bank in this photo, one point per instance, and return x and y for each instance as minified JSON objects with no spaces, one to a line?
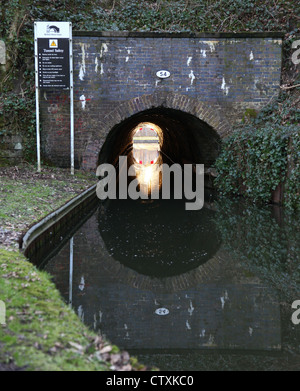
{"x":41,"y":331}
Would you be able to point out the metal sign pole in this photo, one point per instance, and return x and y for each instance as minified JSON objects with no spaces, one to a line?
{"x":71,"y":103}
{"x":71,"y":272}
{"x":38,"y":142}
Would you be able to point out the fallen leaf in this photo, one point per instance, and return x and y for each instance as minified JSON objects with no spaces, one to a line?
{"x":106,"y":349}
{"x":76,"y":345}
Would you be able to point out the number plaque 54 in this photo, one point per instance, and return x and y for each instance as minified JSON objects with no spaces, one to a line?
{"x":163,"y":74}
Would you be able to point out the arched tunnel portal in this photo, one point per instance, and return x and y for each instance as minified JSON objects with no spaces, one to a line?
{"x":191,"y":131}
{"x":184,"y":138}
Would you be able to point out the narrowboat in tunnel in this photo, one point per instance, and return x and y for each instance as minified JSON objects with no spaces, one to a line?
{"x":147,"y":155}
{"x":146,"y":145}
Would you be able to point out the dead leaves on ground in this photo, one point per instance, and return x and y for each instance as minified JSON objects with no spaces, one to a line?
{"x":99,"y":349}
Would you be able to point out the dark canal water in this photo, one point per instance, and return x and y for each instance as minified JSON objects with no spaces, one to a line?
{"x":187,"y":290}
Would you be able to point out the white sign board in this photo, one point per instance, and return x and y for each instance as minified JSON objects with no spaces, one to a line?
{"x":52,"y":30}
{"x":52,"y":51}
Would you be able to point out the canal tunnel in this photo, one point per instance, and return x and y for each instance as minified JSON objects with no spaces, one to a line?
{"x":184,"y":138}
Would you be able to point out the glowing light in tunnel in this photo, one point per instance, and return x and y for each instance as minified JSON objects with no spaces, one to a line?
{"x":148,"y":174}
{"x":147,"y":138}
{"x":146,"y":143}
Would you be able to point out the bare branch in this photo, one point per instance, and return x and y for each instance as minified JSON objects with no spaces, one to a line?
{"x":284,"y":87}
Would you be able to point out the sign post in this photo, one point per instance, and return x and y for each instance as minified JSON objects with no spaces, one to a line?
{"x":53,"y":69}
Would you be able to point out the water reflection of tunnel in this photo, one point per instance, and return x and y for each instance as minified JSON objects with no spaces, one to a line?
{"x":158,"y":239}
{"x":186,"y":139}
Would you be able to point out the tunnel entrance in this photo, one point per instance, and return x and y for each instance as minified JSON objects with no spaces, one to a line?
{"x":154,"y":140}
{"x":184,"y":138}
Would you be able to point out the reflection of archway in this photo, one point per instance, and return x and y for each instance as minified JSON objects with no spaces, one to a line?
{"x":97,"y":258}
{"x":220,"y":264}
{"x":159,"y":239}
{"x":180,"y":109}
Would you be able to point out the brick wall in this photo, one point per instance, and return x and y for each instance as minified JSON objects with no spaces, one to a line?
{"x":214,"y":77}
{"x":11,"y":149}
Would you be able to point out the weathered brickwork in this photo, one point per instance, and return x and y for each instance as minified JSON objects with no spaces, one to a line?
{"x":11,"y":149}
{"x":215,"y":78}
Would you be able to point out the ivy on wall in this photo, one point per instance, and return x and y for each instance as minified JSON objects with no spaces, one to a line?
{"x":263,"y":154}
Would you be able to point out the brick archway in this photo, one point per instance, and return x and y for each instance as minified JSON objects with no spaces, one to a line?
{"x":211,"y":115}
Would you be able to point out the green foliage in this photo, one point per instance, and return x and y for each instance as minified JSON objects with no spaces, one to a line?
{"x":254,"y":161}
{"x":17,"y":110}
{"x":292,"y":184}
{"x":262,"y":154}
{"x":166,"y":15}
{"x":249,"y":113}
